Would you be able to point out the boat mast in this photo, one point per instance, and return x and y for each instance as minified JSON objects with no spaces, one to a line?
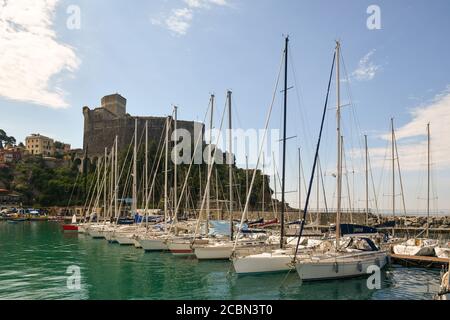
{"x":217,"y":189}
{"x":339,"y":147}
{"x":230,"y":163}
{"x":246,"y":176}
{"x":116,"y":182}
{"x":263,"y":185}
{"x":299,"y":185}
{"x":166,"y":162}
{"x":367,"y":179}
{"x":105,"y":175}
{"x":284,"y":142}
{"x":208,"y":184}
{"x":318,"y":191}
{"x":428,"y":182}
{"x":134,"y":209}
{"x":393,"y":173}
{"x":146,"y":174}
{"x":111,"y":183}
{"x":175,"y":180}
{"x":99,"y":191}
{"x":275,"y":184}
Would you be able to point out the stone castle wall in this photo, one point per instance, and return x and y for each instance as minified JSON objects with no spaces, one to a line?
{"x":102,"y":125}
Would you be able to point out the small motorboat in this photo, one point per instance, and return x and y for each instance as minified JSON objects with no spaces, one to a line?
{"x":72,"y":226}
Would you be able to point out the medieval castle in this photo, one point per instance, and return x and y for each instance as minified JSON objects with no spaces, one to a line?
{"x":103,"y":124}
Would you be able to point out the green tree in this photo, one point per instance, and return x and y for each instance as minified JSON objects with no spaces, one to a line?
{"x":5,"y":139}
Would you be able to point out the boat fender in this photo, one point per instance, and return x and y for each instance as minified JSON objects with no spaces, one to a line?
{"x":336,"y":267}
{"x":359,"y":266}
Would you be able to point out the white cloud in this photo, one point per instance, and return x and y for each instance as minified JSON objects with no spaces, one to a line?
{"x":179,"y":20}
{"x":366,"y":68}
{"x":411,"y":137}
{"x":31,"y":56}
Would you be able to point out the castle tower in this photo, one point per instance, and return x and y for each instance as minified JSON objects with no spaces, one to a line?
{"x":115,"y":103}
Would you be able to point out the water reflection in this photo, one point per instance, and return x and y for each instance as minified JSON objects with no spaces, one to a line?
{"x":35,"y":256}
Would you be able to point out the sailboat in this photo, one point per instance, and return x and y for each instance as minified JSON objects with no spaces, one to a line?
{"x":276,"y":254}
{"x":350,"y":256}
{"x":72,"y":226}
{"x":156,"y":240}
{"x":272,"y":259}
{"x":221,"y":248}
{"x":420,"y":246}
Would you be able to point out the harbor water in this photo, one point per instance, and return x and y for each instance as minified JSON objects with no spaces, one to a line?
{"x":37,"y":261}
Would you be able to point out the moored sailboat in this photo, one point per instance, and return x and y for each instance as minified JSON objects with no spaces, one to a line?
{"x":357,"y":255}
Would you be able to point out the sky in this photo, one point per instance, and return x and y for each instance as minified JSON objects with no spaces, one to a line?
{"x":58,"y":56}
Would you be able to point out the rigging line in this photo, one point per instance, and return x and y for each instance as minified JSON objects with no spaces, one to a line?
{"x":237,"y":190}
{"x":160,"y":147}
{"x":125,"y":189}
{"x":88,"y":195}
{"x":116,"y":187}
{"x":208,"y":181}
{"x":73,"y":189}
{"x":156,"y":164}
{"x":94,"y":188}
{"x":149,"y":194}
{"x":373,"y":183}
{"x":383,"y":168}
{"x":199,"y":138}
{"x":302,"y":225}
{"x":347,"y":180}
{"x":323,"y":186}
{"x":352,"y":104}
{"x":269,"y":113}
{"x":400,"y":175}
{"x":355,"y":117}
{"x":305,"y":124}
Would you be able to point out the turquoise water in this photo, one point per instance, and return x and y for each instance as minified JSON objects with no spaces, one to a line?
{"x":34,"y":257}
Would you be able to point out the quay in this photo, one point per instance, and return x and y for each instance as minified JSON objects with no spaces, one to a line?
{"x":419,"y":261}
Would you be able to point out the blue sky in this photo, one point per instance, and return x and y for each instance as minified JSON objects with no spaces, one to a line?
{"x":158,"y":53}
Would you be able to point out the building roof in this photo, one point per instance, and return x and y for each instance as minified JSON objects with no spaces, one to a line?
{"x":37,"y":135}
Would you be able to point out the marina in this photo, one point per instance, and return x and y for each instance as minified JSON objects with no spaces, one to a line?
{"x":185,"y":151}
{"x":36,"y":256}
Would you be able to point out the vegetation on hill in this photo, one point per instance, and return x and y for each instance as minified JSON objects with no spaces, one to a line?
{"x":45,"y":183}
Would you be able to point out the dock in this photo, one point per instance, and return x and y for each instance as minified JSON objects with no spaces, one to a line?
{"x":419,"y":261}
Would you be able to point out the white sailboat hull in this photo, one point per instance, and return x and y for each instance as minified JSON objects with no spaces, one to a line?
{"x":124,"y":240}
{"x":262,"y":263}
{"x":153,"y":244}
{"x":109,"y":236}
{"x":213,"y":253}
{"x":96,"y":234}
{"x":180,"y":249}
{"x":340,"y":267}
